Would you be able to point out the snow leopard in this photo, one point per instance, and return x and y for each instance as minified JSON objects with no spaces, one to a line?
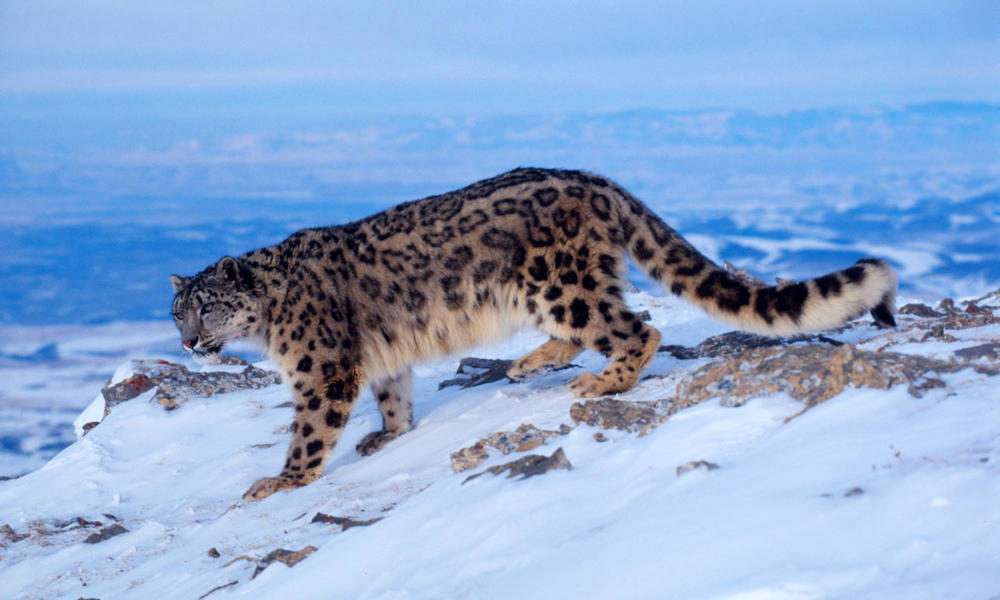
{"x":342,"y":307}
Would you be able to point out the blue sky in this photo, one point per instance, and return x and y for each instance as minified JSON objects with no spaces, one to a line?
{"x":496,"y":57}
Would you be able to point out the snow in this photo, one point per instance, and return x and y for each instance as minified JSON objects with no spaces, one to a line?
{"x":873,"y":494}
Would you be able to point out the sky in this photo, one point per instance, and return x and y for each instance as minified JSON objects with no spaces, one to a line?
{"x":493,"y":57}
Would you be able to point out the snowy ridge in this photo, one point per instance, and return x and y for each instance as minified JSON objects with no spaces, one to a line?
{"x":872,"y":494}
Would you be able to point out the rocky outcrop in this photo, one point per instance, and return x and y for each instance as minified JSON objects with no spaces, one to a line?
{"x":524,"y":438}
{"x":814,"y":373}
{"x":175,"y":383}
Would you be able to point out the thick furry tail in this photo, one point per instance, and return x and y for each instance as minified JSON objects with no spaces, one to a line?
{"x":816,"y":304}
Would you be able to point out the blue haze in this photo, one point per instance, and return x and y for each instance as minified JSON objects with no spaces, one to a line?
{"x":90,"y":238}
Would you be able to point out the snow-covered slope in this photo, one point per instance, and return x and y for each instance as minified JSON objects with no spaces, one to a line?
{"x":872,"y":494}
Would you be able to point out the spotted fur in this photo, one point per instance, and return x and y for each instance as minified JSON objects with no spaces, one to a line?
{"x":341,"y":307}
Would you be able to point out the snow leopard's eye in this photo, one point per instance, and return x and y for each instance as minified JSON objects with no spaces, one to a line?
{"x":207,"y":308}
{"x":179,"y":316}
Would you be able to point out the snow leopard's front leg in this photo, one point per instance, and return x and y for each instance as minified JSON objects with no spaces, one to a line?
{"x":395,"y":402}
{"x":325,"y":392}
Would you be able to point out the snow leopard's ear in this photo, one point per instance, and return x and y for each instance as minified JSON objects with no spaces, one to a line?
{"x":228,"y":269}
{"x":233,"y":271}
{"x":179,"y":281}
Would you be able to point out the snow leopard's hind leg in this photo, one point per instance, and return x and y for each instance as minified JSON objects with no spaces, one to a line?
{"x":551,"y":355}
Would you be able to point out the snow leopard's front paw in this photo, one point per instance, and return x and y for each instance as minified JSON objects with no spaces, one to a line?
{"x":373,"y":442}
{"x":269,"y":485}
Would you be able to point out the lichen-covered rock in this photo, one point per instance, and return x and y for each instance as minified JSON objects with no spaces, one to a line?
{"x":525,"y":437}
{"x":608,"y":413}
{"x":175,"y":383}
{"x":528,"y":466}
{"x":814,"y":373}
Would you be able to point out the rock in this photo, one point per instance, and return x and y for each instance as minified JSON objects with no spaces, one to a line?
{"x":812,"y":374}
{"x":991,"y":350}
{"x":344,"y":522}
{"x":608,"y":413}
{"x":289,"y":557}
{"x":735,"y":342}
{"x":126,"y":390}
{"x":743,"y":274}
{"x":478,"y":371}
{"x":525,"y":437}
{"x":213,"y":552}
{"x":952,"y":317}
{"x":919,"y":310}
{"x":528,"y":466}
{"x":217,"y":588}
{"x":696,"y":464}
{"x":107,"y":533}
{"x":9,"y":536}
{"x":600,"y":437}
{"x":77,"y":523}
{"x":175,"y":383}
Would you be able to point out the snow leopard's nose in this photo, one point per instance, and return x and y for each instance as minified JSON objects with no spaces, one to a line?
{"x":189,"y":343}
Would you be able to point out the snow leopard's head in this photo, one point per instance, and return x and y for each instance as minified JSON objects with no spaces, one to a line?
{"x":219,"y":304}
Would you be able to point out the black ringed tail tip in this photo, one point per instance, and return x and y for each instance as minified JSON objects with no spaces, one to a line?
{"x":883,"y":315}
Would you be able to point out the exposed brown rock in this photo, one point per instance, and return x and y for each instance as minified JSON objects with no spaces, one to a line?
{"x":9,"y":536}
{"x":108,"y":532}
{"x":919,"y":310}
{"x":216,"y":589}
{"x":289,"y":557}
{"x":528,"y":466}
{"x":344,"y":522}
{"x":525,"y":437}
